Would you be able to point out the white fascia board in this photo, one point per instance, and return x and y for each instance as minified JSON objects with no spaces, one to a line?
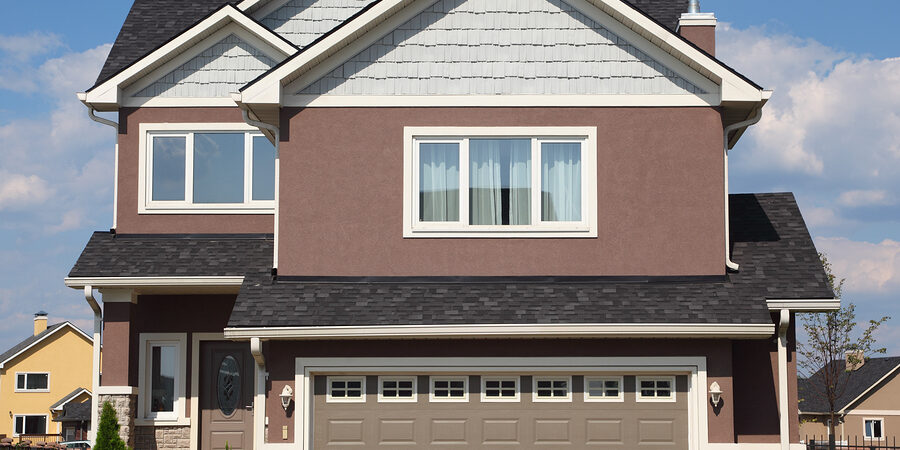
{"x":866,"y":392}
{"x":805,"y":305}
{"x":131,"y":282}
{"x":110,"y":92}
{"x":734,"y":331}
{"x":62,"y":327}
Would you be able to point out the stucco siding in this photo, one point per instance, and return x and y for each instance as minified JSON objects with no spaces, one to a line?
{"x":885,"y":397}
{"x":216,"y":72}
{"x":302,"y":21}
{"x":484,"y":47}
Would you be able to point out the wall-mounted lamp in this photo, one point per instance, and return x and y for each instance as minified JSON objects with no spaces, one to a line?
{"x":286,"y":394}
{"x":715,"y":393}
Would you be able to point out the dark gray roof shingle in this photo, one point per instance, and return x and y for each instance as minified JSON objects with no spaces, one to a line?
{"x":152,"y":23}
{"x":860,"y":380}
{"x":770,"y":241}
{"x":67,"y":397}
{"x":111,"y":255}
{"x":28,"y":341}
{"x":75,"y":412}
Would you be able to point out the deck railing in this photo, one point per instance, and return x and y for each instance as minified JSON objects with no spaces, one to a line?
{"x":850,"y":443}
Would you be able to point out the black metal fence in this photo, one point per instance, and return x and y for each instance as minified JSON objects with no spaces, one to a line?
{"x":850,"y":443}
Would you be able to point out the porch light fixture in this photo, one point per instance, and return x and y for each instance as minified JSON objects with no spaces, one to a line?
{"x":715,"y":393}
{"x":286,"y":395}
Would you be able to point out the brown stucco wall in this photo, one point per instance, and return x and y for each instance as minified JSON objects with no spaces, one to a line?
{"x":885,"y":397}
{"x":660,"y":191}
{"x":128,"y":219}
{"x":702,"y":36}
{"x":280,"y":363}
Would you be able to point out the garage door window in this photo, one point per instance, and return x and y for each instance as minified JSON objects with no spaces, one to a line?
{"x":449,"y":389}
{"x":656,"y":389}
{"x":552,"y":389}
{"x":603,"y":389}
{"x":500,"y":389}
{"x":346,"y":389}
{"x":396,"y":389}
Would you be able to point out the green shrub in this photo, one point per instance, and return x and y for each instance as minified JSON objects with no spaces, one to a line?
{"x":108,"y":431}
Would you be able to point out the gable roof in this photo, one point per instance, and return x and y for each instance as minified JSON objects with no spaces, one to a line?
{"x":58,"y":406}
{"x":151,"y":23}
{"x":31,"y":341}
{"x":860,"y":383}
{"x":75,"y":412}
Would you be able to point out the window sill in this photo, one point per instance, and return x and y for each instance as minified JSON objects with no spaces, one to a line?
{"x":582,"y":233}
{"x":31,"y":391}
{"x":162,"y":422}
{"x":257,"y":211}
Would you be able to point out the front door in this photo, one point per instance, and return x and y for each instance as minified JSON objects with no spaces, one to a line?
{"x":226,"y":396}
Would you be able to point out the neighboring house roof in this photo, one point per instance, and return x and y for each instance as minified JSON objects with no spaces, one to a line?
{"x":58,"y":406}
{"x":76,"y":412}
{"x":151,"y":23}
{"x":119,"y":255}
{"x":34,"y":340}
{"x":769,"y":238}
{"x":859,"y":383}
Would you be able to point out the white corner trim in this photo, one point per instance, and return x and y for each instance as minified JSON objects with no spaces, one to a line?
{"x":63,"y":326}
{"x":866,"y":392}
{"x":655,"y":330}
{"x":132,"y":282}
{"x":804,"y":305}
{"x":117,"y":390}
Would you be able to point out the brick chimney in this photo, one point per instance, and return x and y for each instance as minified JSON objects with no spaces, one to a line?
{"x":40,"y":322}
{"x":854,"y":360}
{"x":699,"y":28}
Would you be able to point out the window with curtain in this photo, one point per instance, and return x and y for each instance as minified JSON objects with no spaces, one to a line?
{"x":496,"y":184}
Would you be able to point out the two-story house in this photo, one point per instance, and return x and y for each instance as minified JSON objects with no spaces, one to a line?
{"x":40,"y":376}
{"x":440,"y":223}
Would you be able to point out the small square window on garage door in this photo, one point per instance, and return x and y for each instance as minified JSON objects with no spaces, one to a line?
{"x":499,"y":389}
{"x":552,"y":389}
{"x":397,"y":389}
{"x":655,"y":389}
{"x":346,"y":389}
{"x":603,"y":389}
{"x":449,"y":389}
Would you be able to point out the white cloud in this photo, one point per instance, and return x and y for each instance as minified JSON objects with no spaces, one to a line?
{"x":28,"y":46}
{"x":864,"y":198}
{"x":22,"y":190}
{"x":867,"y":267}
{"x":69,"y":221}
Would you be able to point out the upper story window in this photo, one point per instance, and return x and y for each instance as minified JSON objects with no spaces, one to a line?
{"x":206,"y":168}
{"x":500,"y":182}
{"x":33,"y":382}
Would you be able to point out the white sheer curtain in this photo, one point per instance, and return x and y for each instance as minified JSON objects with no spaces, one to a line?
{"x":499,"y":181}
{"x":561,"y":181}
{"x":438,"y":182}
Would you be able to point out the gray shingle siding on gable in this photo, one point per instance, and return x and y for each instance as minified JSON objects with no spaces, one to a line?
{"x":302,"y":21}
{"x":216,"y":72}
{"x":472,"y":47}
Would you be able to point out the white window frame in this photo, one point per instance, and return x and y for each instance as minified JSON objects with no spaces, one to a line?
{"x":26,"y":374}
{"x":146,"y":204}
{"x":586,"y":228}
{"x":177,"y":415}
{"x":415,"y":392}
{"x":330,"y":399}
{"x":46,"y":417}
{"x":673,"y":393}
{"x":604,"y":398}
{"x":463,"y":399}
{"x":514,"y":399}
{"x":534,"y":389}
{"x":874,"y":419}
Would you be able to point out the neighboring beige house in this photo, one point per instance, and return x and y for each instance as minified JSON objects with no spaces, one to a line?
{"x":868,"y":410}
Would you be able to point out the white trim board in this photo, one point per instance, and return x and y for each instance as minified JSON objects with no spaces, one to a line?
{"x":133,"y":282}
{"x":805,"y":305}
{"x":656,"y":330}
{"x":64,"y":325}
{"x":108,"y":96}
{"x":694,"y":367}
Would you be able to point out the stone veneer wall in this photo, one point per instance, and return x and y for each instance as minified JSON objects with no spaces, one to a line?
{"x":159,"y":437}
{"x":125,"y":406}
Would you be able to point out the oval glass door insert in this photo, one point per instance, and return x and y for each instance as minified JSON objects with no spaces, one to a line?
{"x":229,"y":385}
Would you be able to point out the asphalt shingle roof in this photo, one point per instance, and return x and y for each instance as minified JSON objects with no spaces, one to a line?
{"x":770,"y":241}
{"x":67,"y":397}
{"x":151,"y":23}
{"x":75,"y":412}
{"x":28,"y":341}
{"x":811,"y":401}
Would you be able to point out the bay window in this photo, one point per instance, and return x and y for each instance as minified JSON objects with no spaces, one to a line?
{"x":206,"y":168}
{"x":500,"y":182}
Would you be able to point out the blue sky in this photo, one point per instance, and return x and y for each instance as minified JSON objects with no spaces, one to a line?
{"x":830,"y":134}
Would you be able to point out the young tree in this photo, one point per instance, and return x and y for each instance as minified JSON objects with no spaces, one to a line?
{"x":108,"y":431}
{"x":832,"y":337}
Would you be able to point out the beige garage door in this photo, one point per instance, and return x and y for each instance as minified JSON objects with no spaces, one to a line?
{"x":620,"y":411}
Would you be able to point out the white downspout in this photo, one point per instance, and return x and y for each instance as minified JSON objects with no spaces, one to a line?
{"x":729,"y":264}
{"x":277,"y":135}
{"x":115,"y":126}
{"x":95,"y":365}
{"x":783,"y":404}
